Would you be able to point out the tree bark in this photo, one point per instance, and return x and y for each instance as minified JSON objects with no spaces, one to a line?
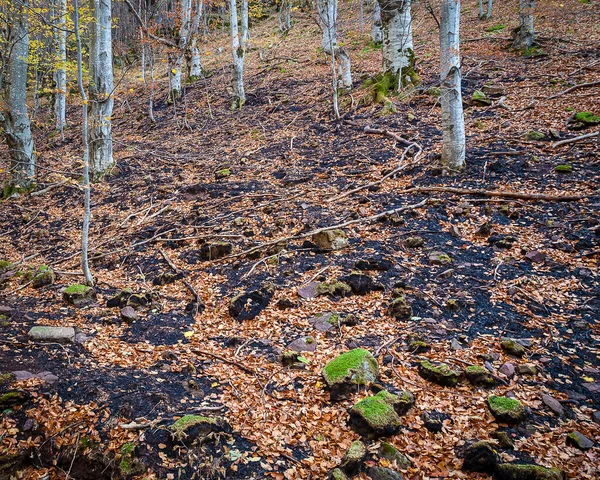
{"x":376,"y":33}
{"x":60,"y":72}
{"x":194,"y":61}
{"x":101,"y":88}
{"x":284,"y":16}
{"x":177,"y":56}
{"x":17,"y":128}
{"x":524,"y":34}
{"x":238,"y":52}
{"x":453,"y":122}
{"x":398,"y":54}
{"x":328,"y":20}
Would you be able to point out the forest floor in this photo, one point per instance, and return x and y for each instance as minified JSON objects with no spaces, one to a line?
{"x":519,"y":268}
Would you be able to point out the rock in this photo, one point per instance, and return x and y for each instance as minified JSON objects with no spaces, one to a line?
{"x":513,"y":471}
{"x":455,"y":345}
{"x":506,"y":410}
{"x":401,"y":401}
{"x":504,"y":440}
{"x":481,"y":99}
{"x":338,"y":474}
{"x":400,"y":309}
{"x":481,"y":457}
{"x":361,"y":284}
{"x":6,"y":378}
{"x":378,"y":264}
{"x":309,"y":290}
{"x":527,"y":369}
{"x":439,"y":258}
{"x":441,"y":373}
{"x":128,"y":314}
{"x":292,"y":359}
{"x":535,"y":257}
{"x":493,"y":90}
{"x":579,"y":440}
{"x":43,"y":277}
{"x":13,"y":398}
{"x":5,"y":310}
{"x":215,"y":250}
{"x":374,"y":417}
{"x":352,"y":461}
{"x":416,"y":345}
{"x":120,"y":299}
{"x":47,"y":377}
{"x":79,"y":295}
{"x":347,"y":371}
{"x":512,"y":347}
{"x":508,"y":370}
{"x":333,"y":289}
{"x":434,"y":421}
{"x":391,"y":453}
{"x":166,"y":278}
{"x":139,"y":300}
{"x":383,"y":473}
{"x":479,"y":376}
{"x":330,"y":240}
{"x":303,"y":344}
{"x":42,"y":333}
{"x":285,"y":304}
{"x":596,"y":417}
{"x":553,"y":404}
{"x":190,"y":427}
{"x":322,"y":322}
{"x":563,"y":168}
{"x":248,"y":305}
{"x":414,"y":242}
{"x":535,"y":135}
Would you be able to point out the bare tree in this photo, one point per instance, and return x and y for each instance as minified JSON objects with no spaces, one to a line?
{"x":284,"y":17}
{"x":238,"y":51}
{"x":453,"y":122}
{"x":524,"y":34}
{"x":60,"y":66}
{"x":376,"y":33}
{"x":328,"y":20}
{"x":176,"y":56}
{"x":194,"y":62}
{"x":485,"y":15}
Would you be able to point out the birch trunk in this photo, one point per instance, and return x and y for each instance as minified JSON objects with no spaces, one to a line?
{"x":284,"y":16}
{"x":481,"y":14}
{"x":244,"y":21}
{"x":489,"y":9}
{"x":60,"y":72}
{"x":453,"y":122}
{"x":238,"y":53}
{"x":524,"y":34}
{"x":100,"y":89}
{"x":17,"y":128}
{"x":176,"y":57}
{"x":194,"y":62}
{"x":398,"y":54}
{"x":328,"y":19}
{"x":376,"y":33}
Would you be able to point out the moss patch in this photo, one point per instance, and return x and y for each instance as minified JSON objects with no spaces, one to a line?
{"x":509,"y":471}
{"x":588,"y":118}
{"x":77,"y":289}
{"x":504,"y":409}
{"x":374,"y":417}
{"x":357,"y":366}
{"x":441,"y":374}
{"x":479,"y":376}
{"x":564,"y":168}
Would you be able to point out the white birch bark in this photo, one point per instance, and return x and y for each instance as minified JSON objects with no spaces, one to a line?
{"x":176,"y":58}
{"x":453,"y":122}
{"x":398,"y":53}
{"x":376,"y":33}
{"x":238,"y":53}
{"x":17,"y":127}
{"x":284,"y":16}
{"x":489,"y":9}
{"x":101,"y":88}
{"x":244,"y":24}
{"x":481,"y":14}
{"x":328,"y":20}
{"x":524,"y":34}
{"x":195,"y":63}
{"x":60,"y":69}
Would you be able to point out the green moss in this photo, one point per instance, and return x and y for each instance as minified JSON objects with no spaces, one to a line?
{"x":224,"y":172}
{"x":333,"y":289}
{"x":506,"y":409}
{"x":509,"y":471}
{"x":338,"y":474}
{"x":535,"y":135}
{"x":77,"y":289}
{"x":441,"y":374}
{"x":496,"y":28}
{"x":129,"y":465}
{"x":6,"y":378}
{"x":187,"y":421}
{"x":480,"y":98}
{"x":357,"y":366}
{"x":475,"y":369}
{"x":588,"y":118}
{"x":564,"y":168}
{"x":434,"y":92}
{"x":512,"y":347}
{"x":5,"y":264}
{"x":376,"y":410}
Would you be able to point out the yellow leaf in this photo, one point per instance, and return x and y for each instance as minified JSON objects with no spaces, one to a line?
{"x":188,"y":334}
{"x":587,"y":379}
{"x":174,"y":71}
{"x":214,"y":384}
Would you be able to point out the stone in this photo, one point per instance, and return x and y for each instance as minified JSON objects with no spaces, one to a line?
{"x":579,"y":440}
{"x":534,"y":135}
{"x":285,"y":304}
{"x":378,"y":264}
{"x":506,"y":410}
{"x":391,"y":453}
{"x":512,"y":347}
{"x":335,"y":288}
{"x":535,"y":257}
{"x":120,"y":299}
{"x":553,"y":404}
{"x":13,"y":398}
{"x":248,"y":305}
{"x":322,"y":322}
{"x":527,"y":369}
{"x":414,"y":242}
{"x":400,"y":309}
{"x":330,"y":240}
{"x":384,"y":473}
{"x":337,"y":474}
{"x":455,"y":345}
{"x":479,"y":376}
{"x":514,"y":471}
{"x":439,"y":258}
{"x":441,"y":373}
{"x":128,"y":314}
{"x":222,"y":173}
{"x":303,"y":344}
{"x":374,"y":417}
{"x":352,"y":461}
{"x":401,"y":401}
{"x":480,"y":457}
{"x":6,"y":378}
{"x":43,"y":277}
{"x":361,"y":284}
{"x":355,"y":368}
{"x":42,"y":333}
{"x":508,"y":370}
{"x":5,"y":310}
{"x":504,"y":440}
{"x":190,"y":427}
{"x":481,"y":99}
{"x":166,"y":278}
{"x":215,"y":250}
{"x":309,"y":290}
{"x":434,"y":420}
{"x":47,"y":377}
{"x":79,"y":295}
{"x":596,"y":417}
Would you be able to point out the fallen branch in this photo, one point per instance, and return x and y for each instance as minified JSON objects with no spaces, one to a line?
{"x":225,"y":360}
{"x":497,"y":193}
{"x":575,"y":87}
{"x":576,"y":139}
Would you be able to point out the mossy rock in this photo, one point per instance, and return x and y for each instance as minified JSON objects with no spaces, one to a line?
{"x":353,"y":459}
{"x":401,"y":401}
{"x":512,"y":347}
{"x":414,"y":242}
{"x":506,"y":410}
{"x":441,"y":373}
{"x":120,"y":299}
{"x":481,"y":457}
{"x":383,"y":473}
{"x":513,"y":471}
{"x":588,"y":118}
{"x":6,"y":378}
{"x":563,"y":168}
{"x":79,"y":295}
{"x":330,"y":239}
{"x":579,"y":440}
{"x":338,"y":474}
{"x":375,"y":417}
{"x":480,"y":98}
{"x":479,"y":376}
{"x":130,"y":465}
{"x":400,"y":309}
{"x":190,"y":427}
{"x":13,"y":398}
{"x":223,"y":173}
{"x":418,"y":346}
{"x":215,"y":250}
{"x":535,"y":136}
{"x":391,"y":453}
{"x":355,"y":368}
{"x":439,"y":258}
{"x":43,"y":277}
{"x":333,"y":289}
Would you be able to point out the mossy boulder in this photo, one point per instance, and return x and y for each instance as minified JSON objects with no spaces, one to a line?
{"x":417,"y":345}
{"x":348,"y":371}
{"x":481,"y":457}
{"x":439,"y":258}
{"x":506,"y":410}
{"x":383,"y":473}
{"x":338,"y":474}
{"x":514,"y":471}
{"x":400,"y":309}
{"x":414,"y":242}
{"x":333,"y":289}
{"x":352,"y":461}
{"x":222,"y":173}
{"x":579,"y":440}
{"x":129,"y":464}
{"x":79,"y":295}
{"x":440,"y":373}
{"x":563,"y":168}
{"x":215,"y":250}
{"x":190,"y":427}
{"x":481,"y":99}
{"x":13,"y":398}
{"x":479,"y":376}
{"x":401,"y":401}
{"x":512,"y":347}
{"x":391,"y":453}
{"x":43,"y":277}
{"x":120,"y":299}
{"x":375,"y":417}
{"x":330,"y":240}
{"x":535,"y":136}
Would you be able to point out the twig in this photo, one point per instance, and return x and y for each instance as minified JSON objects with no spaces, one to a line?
{"x":169,"y":261}
{"x":497,"y":193}
{"x":225,"y":360}
{"x":576,"y":139}
{"x":575,"y":87}
{"x":48,"y":188}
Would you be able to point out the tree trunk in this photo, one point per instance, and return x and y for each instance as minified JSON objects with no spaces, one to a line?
{"x":176,"y":57}
{"x":101,"y":88}
{"x":244,"y":21}
{"x":489,"y":9}
{"x":398,"y":54}
{"x":15,"y":119}
{"x":524,"y":34}
{"x":453,"y":122}
{"x":284,"y":16}
{"x":194,"y":61}
{"x":328,"y":19}
{"x":60,"y":72}
{"x":481,"y":14}
{"x":238,"y":53}
{"x":376,"y":33}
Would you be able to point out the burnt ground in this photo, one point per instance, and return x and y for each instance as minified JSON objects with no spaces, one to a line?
{"x":519,"y":268}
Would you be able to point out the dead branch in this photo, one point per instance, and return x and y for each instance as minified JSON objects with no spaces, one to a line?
{"x":576,"y":139}
{"x":225,"y":360}
{"x":575,"y":87}
{"x":496,"y":193}
{"x":145,"y":28}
